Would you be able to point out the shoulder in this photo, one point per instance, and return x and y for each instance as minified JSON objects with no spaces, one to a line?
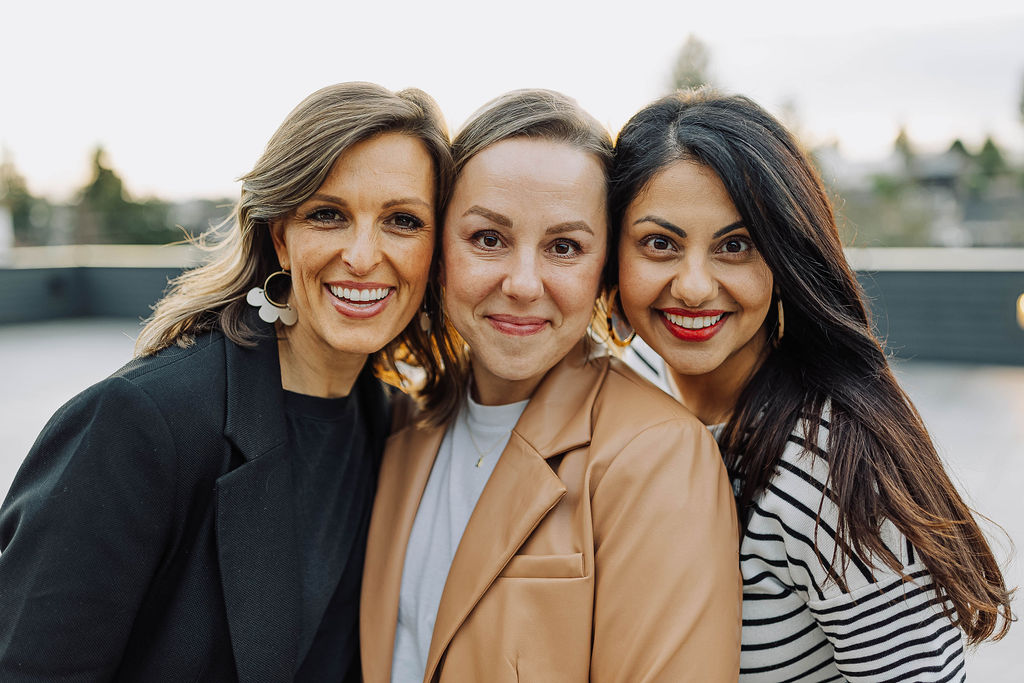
{"x":637,"y":426}
{"x":171,"y":394}
{"x":176,"y":364}
{"x":636,"y":400}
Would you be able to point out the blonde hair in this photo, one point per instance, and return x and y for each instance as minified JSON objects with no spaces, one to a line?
{"x":295,"y":163}
{"x":530,"y":113}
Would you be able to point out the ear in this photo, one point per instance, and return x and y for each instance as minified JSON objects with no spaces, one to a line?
{"x":277,"y":234}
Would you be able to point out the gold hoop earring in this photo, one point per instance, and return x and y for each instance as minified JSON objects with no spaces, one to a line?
{"x":617,"y":325}
{"x":781,"y":328}
{"x":270,"y":310}
{"x":266,"y":287}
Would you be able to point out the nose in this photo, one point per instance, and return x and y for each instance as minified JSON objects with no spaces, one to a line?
{"x":523,"y":280}
{"x":694,"y":283}
{"x":362,"y":253}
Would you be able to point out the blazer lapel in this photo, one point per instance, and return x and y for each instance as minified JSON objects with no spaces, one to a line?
{"x":405,"y":469}
{"x":255,"y":525}
{"x":521,"y":490}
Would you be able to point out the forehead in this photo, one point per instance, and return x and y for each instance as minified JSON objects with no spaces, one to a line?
{"x":685,"y":191}
{"x":382,"y":165}
{"x":527,"y":174}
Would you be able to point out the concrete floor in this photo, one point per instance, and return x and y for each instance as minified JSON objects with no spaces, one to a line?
{"x":975,"y":414}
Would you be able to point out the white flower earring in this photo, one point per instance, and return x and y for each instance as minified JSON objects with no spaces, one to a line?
{"x":270,"y":310}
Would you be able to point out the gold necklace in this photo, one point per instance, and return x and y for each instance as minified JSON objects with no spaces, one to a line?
{"x":479,"y":451}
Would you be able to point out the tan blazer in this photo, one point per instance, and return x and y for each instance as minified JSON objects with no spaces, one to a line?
{"x":603,"y":546}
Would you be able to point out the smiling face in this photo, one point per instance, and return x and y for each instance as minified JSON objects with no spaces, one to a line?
{"x":692,"y":283}
{"x":359,"y":251}
{"x":524,"y":245}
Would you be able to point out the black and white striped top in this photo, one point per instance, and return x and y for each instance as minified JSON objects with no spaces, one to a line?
{"x":799,"y":624}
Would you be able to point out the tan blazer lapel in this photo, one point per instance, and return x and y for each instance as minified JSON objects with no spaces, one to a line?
{"x":405,"y":469}
{"x":521,"y":490}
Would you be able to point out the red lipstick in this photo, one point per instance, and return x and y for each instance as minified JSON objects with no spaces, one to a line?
{"x":700,"y":330}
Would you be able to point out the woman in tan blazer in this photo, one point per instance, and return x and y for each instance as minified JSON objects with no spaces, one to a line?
{"x":546,"y":515}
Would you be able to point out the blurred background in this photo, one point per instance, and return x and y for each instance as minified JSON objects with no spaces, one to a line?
{"x":123,"y":129}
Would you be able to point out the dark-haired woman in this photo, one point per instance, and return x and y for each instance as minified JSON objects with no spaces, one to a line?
{"x":860,"y":560}
{"x":201,"y":514}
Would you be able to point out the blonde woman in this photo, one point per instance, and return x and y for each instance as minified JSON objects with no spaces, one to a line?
{"x":201,"y":514}
{"x":549,"y":516}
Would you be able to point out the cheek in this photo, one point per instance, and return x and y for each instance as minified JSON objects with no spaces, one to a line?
{"x":575,"y":289}
{"x":306,"y":258}
{"x":640,"y":283}
{"x":756,"y":290}
{"x":415,"y":261}
{"x":464,"y":286}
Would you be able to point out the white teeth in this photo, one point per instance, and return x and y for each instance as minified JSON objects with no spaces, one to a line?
{"x":692,"y":323}
{"x":360,"y":295}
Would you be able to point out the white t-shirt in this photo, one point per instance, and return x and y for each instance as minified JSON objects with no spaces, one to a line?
{"x":452,"y":491}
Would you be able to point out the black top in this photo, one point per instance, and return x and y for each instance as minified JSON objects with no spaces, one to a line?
{"x":334,"y":476}
{"x":152,"y":532}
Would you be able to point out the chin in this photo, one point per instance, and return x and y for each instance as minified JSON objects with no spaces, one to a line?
{"x":361,"y":346}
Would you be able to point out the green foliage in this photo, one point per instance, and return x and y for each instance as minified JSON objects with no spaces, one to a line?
{"x":888,"y":187}
{"x":28,"y":213}
{"x":990,"y":159}
{"x":958,"y":147}
{"x":899,"y":219}
{"x":107,"y":215}
{"x":1020,"y":105}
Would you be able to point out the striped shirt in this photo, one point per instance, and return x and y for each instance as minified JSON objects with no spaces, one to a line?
{"x":801,"y":625}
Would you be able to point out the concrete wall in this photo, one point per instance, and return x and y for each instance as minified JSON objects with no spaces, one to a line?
{"x":30,"y":294}
{"x":966,"y":316}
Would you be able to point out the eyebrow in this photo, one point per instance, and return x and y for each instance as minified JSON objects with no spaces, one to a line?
{"x":492,"y":216}
{"x":672,"y":227}
{"x":387,"y":205}
{"x":569,"y":226}
{"x":506,"y":222}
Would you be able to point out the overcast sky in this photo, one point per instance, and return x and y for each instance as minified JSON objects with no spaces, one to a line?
{"x":184,"y":97}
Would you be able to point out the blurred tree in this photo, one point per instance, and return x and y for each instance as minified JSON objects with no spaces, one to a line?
{"x":990,"y":159}
{"x":27,"y":211}
{"x":904,"y":149}
{"x":106,"y":213}
{"x":958,"y":147}
{"x":1020,"y":105}
{"x":691,"y":67}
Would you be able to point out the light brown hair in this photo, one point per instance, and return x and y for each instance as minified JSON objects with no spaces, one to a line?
{"x":529,"y":113}
{"x":295,"y":163}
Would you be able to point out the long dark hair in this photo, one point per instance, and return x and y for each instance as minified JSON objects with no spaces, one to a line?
{"x":829,"y":365}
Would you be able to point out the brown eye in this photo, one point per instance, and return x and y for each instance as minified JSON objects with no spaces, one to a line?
{"x":657,"y":243}
{"x":324,"y":216}
{"x":565,"y":248}
{"x":486,"y":240}
{"x":736,"y":245}
{"x":407,"y":221}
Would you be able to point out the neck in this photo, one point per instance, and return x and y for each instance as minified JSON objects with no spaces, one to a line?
{"x":713,"y":396}
{"x":312,"y":370}
{"x":490,"y":390}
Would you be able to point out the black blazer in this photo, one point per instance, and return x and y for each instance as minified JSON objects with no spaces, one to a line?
{"x":150,"y":533}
